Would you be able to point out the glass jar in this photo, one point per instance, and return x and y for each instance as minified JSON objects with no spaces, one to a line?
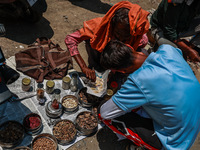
{"x":109,"y":94}
{"x":66,"y":83}
{"x":74,"y":82}
{"x":40,"y":94}
{"x":26,"y":84}
{"x":50,"y":86}
{"x":56,"y":95}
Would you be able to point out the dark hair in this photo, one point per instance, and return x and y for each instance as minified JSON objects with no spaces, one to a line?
{"x":121,"y":16}
{"x":116,"y":55}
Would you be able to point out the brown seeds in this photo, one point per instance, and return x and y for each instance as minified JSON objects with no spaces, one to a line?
{"x":64,"y":130}
{"x":86,"y":120}
{"x":44,"y":143}
{"x":11,"y":132}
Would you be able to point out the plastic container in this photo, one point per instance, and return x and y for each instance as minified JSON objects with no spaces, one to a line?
{"x":65,"y":131}
{"x":33,"y":124}
{"x":45,"y":140}
{"x":86,"y":123}
{"x":70,"y":104}
{"x":12,"y":134}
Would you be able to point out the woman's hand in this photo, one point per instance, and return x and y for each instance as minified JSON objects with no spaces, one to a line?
{"x":88,"y":72}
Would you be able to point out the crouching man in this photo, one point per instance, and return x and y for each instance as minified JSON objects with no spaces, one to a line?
{"x":164,"y":86}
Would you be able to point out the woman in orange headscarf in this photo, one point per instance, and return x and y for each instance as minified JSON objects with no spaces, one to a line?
{"x":125,"y":21}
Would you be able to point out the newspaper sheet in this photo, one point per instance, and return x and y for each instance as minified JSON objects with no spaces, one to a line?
{"x":17,"y":110}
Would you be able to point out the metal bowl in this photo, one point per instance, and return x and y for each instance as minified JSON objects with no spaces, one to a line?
{"x":91,"y":99}
{"x":70,"y":109}
{"x":82,"y":127}
{"x":69,"y":134}
{"x":53,"y":113}
{"x":33,"y":131}
{"x":22,"y":148}
{"x":45,"y":137}
{"x":16,"y":132}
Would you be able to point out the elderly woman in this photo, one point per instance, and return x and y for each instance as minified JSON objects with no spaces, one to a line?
{"x":125,"y":22}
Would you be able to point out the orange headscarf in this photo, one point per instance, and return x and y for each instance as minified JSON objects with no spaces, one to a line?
{"x":99,"y":29}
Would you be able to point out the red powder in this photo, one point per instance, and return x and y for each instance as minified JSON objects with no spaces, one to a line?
{"x":33,"y":122}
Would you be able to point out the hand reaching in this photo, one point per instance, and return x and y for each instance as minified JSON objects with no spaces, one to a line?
{"x":89,"y":73}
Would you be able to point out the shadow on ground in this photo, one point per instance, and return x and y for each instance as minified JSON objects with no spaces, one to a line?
{"x":26,"y":33}
{"x":93,"y":5}
{"x":108,"y":140}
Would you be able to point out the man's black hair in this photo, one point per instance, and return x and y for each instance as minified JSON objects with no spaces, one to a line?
{"x":121,"y":16}
{"x":116,"y":55}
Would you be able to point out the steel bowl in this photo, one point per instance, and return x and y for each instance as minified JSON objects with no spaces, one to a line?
{"x":72,"y":134}
{"x":91,"y":99}
{"x":22,"y":148}
{"x":11,"y":127}
{"x":73,"y":109}
{"x":45,"y":136}
{"x":53,"y":113}
{"x":82,"y":127}
{"x":33,"y":131}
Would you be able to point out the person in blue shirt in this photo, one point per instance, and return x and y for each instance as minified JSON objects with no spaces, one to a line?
{"x":164,"y":86}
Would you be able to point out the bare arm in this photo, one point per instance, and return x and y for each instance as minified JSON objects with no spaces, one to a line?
{"x":72,"y":41}
{"x":187,"y":50}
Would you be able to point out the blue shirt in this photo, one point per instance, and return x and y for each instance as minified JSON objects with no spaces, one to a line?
{"x":166,"y":87}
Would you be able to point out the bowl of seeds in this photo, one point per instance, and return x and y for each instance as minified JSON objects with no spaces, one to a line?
{"x":64,"y":131}
{"x":22,"y":148}
{"x":11,"y":134}
{"x":44,"y":141}
{"x":70,"y":103}
{"x":86,"y":123}
{"x":87,"y":100}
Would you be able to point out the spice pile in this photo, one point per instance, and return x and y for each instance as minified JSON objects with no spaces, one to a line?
{"x":83,"y":97}
{"x":65,"y":131}
{"x":33,"y":122}
{"x":44,"y":143}
{"x":11,"y":132}
{"x":87,"y":120}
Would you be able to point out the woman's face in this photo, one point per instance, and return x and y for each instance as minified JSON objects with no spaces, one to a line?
{"x":121,"y":32}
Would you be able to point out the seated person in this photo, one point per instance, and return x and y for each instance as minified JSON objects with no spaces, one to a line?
{"x":125,"y":21}
{"x":164,"y":86}
{"x":176,"y":19}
